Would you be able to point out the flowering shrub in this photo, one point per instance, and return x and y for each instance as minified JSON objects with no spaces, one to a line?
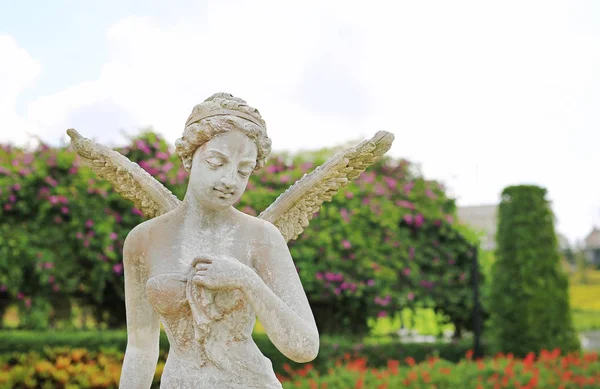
{"x":386,"y":241}
{"x":549,"y":370}
{"x":79,"y":368}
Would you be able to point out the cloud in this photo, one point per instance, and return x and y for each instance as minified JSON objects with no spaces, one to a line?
{"x":484,"y":95}
{"x":18,"y":71}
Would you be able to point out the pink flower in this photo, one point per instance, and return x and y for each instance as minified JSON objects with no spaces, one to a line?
{"x":20,"y":295}
{"x":7,"y":207}
{"x":162,"y":155}
{"x":55,"y":287}
{"x":12,"y":198}
{"x":449,"y":218}
{"x":48,"y":265}
{"x":64,"y":210}
{"x":346,"y":244}
{"x":136,"y":211}
{"x":344,"y":214}
{"x":167,"y":167}
{"x":28,"y":302}
{"x":73,"y":170}
{"x":284,"y":179}
{"x":51,"y":181}
{"x":429,"y":193}
{"x":89,"y":223}
{"x":408,"y":187}
{"x":419,"y":219}
{"x":382,"y":314}
{"x":118,"y":268}
{"x":319,"y":276}
{"x":337,"y":291}
{"x":58,"y":220}
{"x":3,"y":288}
{"x":51,"y":279}
{"x":411,"y":296}
{"x":349,"y":195}
{"x":408,"y":219}
{"x":391,"y":182}
{"x":405,"y":204}
{"x":451,"y":261}
{"x":271,"y":169}
{"x":370,"y":282}
{"x":379,"y":189}
{"x":406,"y":271}
{"x":411,"y":253}
{"x":113,"y":235}
{"x":17,"y":186}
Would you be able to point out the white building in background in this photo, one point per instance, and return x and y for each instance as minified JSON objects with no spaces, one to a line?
{"x":592,"y":246}
{"x":484,"y":219}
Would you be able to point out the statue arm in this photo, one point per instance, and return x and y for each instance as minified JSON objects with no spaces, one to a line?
{"x":143,"y":325}
{"x":278,"y":298}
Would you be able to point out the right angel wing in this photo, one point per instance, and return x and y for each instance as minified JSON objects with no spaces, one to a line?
{"x":293,"y":209}
{"x":127,"y":177}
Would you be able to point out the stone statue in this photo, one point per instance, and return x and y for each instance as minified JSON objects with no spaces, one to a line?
{"x":206,"y":270}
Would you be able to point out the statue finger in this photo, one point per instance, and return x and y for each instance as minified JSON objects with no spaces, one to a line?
{"x":202,"y":259}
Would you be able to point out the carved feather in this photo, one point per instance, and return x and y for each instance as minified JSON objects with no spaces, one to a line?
{"x":127,"y":177}
{"x":292,"y":211}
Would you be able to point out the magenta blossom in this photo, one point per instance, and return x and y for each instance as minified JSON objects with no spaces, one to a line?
{"x":346,"y":244}
{"x":419,"y":219}
{"x":118,"y":268}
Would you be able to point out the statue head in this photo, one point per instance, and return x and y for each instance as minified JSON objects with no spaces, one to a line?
{"x":220,"y":113}
{"x":224,"y":141}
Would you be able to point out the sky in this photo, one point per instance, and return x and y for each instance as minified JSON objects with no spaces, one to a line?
{"x":482,"y":95}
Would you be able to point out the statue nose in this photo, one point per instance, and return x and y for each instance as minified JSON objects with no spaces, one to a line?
{"x":228,"y":181}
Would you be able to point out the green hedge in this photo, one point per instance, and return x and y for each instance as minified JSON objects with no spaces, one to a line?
{"x":529,"y":301}
{"x":377,"y":350}
{"x":387,"y":241}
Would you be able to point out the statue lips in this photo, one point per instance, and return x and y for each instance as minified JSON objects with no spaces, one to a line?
{"x":224,"y":193}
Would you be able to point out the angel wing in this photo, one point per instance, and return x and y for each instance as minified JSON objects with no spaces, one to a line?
{"x":292,"y":211}
{"x":127,"y":177}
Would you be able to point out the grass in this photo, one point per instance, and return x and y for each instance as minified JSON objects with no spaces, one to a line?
{"x":584,"y":296}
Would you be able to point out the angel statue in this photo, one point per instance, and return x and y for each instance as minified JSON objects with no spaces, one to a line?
{"x":205,"y":270}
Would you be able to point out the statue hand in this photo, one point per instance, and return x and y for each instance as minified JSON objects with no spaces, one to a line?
{"x":219,"y":272}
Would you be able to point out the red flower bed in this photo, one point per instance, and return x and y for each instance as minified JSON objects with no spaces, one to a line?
{"x":548,"y":370}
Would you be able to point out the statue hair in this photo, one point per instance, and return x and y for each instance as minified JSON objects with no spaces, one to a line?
{"x":196,"y":134}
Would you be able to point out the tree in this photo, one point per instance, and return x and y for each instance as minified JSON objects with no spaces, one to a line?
{"x":529,"y":304}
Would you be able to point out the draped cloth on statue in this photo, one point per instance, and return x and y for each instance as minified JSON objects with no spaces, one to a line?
{"x":210,"y":333}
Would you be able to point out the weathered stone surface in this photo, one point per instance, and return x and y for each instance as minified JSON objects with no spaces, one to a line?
{"x":205,"y":270}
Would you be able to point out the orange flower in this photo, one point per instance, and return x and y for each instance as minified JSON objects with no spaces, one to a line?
{"x":410,"y":361}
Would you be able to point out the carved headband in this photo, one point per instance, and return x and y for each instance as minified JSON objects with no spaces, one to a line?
{"x":197,"y":117}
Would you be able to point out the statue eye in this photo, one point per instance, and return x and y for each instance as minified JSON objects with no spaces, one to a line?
{"x":214,"y":162}
{"x":244,"y":173}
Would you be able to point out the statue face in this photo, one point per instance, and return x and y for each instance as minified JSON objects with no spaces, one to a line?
{"x":221,"y":168}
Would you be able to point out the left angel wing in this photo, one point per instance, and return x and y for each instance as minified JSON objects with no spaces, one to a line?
{"x":127,"y":177}
{"x":292,"y":211}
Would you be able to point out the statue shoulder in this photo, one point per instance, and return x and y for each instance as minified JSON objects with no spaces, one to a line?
{"x":140,"y":238}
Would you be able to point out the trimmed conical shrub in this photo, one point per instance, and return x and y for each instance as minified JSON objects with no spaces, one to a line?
{"x":529,"y":304}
